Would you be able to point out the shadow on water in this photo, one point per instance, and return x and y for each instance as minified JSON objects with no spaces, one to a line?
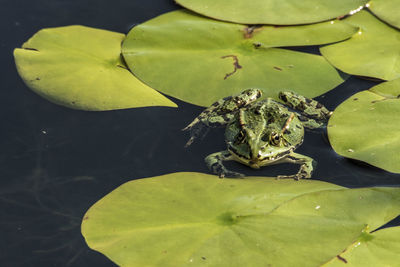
{"x":57,"y":162}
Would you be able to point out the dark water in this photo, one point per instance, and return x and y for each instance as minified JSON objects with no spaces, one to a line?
{"x":57,"y":162}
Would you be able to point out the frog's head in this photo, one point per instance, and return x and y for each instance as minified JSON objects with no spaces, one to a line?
{"x":247,"y":96}
{"x":256,"y":143}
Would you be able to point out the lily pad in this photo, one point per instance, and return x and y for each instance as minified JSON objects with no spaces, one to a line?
{"x":279,"y":12}
{"x":387,"y":10}
{"x":381,"y":248}
{"x":196,"y":219}
{"x":366,"y":126}
{"x":200,"y":60}
{"x":373,"y":52}
{"x":81,"y":68}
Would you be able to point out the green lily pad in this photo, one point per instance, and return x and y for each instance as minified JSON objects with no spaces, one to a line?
{"x":200,"y":60}
{"x":374,"y":52}
{"x":278,"y":12}
{"x":81,"y":68}
{"x":367,"y":126}
{"x":196,"y":219}
{"x":387,"y":10}
{"x":381,"y":248}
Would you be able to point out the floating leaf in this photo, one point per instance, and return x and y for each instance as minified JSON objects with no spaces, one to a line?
{"x":367,"y":126}
{"x":81,"y":68}
{"x":381,"y":248}
{"x":387,"y":10}
{"x":279,"y":12}
{"x":374,"y":52}
{"x":200,"y":60}
{"x":197,"y":219}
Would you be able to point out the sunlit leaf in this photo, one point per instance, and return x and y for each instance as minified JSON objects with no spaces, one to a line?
{"x":280,"y":12}
{"x":373,"y":52}
{"x":200,"y":60}
{"x":197,"y":219}
{"x":381,"y":248}
{"x":387,"y":10}
{"x":81,"y":68}
{"x":367,"y":126}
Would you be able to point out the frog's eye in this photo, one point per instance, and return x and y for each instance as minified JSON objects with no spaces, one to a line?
{"x":275,"y":138}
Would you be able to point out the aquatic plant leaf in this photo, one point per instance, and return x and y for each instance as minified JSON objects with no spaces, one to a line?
{"x":366,"y":126}
{"x":374,"y":52}
{"x":197,"y":219}
{"x":381,"y":248}
{"x":278,"y":12}
{"x":386,"y":10}
{"x":81,"y":68}
{"x":200,"y":60}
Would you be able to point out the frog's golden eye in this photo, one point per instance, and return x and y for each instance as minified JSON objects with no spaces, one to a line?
{"x":275,"y":138}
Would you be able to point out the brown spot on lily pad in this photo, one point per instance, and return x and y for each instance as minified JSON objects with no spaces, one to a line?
{"x":236,"y":65}
{"x":341,"y":258}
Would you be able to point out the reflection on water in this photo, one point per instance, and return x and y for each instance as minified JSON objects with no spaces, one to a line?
{"x":56,"y":162}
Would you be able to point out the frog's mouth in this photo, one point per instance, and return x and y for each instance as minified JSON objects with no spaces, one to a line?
{"x":254,"y":164}
{"x":255,"y":161}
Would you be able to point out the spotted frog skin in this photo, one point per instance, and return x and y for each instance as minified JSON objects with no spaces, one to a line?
{"x":260,"y":133}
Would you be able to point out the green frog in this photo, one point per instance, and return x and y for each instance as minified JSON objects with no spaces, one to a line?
{"x":260,"y":132}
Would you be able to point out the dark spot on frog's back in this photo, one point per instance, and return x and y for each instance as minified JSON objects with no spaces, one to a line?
{"x":277,"y":68}
{"x":283,"y":97}
{"x":257,"y":110}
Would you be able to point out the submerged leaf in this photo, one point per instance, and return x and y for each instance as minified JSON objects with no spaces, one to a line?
{"x":196,"y":219}
{"x":386,"y":10}
{"x":200,"y":60}
{"x":81,"y":68}
{"x":373,"y":52}
{"x":279,"y":12}
{"x":367,"y":126}
{"x":381,"y":248}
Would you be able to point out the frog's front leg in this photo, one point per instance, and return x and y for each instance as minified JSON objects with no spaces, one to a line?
{"x":307,"y":165}
{"x":214,"y":163}
{"x":307,"y":106}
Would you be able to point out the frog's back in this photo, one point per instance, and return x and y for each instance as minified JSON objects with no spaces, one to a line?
{"x":278,"y":118}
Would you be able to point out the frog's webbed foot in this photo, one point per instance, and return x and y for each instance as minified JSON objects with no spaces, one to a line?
{"x":307,"y":106}
{"x":214,"y":163}
{"x":306,"y":168}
